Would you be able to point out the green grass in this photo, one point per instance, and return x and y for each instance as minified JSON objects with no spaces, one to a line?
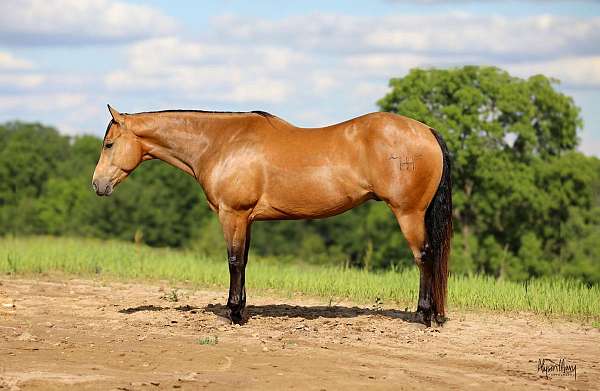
{"x":208,"y":340}
{"x":120,"y":260}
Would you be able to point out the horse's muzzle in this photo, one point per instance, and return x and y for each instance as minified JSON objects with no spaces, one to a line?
{"x":102,"y":187}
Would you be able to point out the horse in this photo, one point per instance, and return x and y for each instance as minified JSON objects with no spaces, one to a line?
{"x":256,"y":166}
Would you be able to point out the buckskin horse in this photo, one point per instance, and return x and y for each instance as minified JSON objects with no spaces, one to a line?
{"x":256,"y":166}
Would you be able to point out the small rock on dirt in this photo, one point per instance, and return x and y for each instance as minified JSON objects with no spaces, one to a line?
{"x":26,"y":337}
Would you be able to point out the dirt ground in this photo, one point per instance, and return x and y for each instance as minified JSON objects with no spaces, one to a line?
{"x":89,"y":335}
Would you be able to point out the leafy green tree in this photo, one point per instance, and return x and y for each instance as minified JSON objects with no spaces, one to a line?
{"x":29,"y":155}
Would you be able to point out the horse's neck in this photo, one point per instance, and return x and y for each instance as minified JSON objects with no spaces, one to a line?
{"x":183,"y":144}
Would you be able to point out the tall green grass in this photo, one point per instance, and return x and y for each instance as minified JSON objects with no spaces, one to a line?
{"x":113,"y":259}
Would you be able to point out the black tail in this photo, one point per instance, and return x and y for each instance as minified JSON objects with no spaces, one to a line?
{"x":438,"y":223}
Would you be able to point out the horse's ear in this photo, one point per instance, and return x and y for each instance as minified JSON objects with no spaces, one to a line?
{"x":116,"y":116}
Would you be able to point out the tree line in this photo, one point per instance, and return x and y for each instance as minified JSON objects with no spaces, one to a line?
{"x":526,"y":202}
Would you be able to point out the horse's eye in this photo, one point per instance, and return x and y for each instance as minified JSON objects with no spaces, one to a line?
{"x":108,"y":145}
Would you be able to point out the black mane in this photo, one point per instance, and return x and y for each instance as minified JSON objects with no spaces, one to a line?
{"x":259,"y":112}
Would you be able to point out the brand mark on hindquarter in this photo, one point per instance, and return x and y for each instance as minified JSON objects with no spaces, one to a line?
{"x":406,"y":162}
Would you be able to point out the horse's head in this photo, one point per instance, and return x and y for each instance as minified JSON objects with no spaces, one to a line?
{"x":121,"y":153}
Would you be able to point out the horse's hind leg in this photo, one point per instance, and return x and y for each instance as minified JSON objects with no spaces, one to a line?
{"x":413,"y":228}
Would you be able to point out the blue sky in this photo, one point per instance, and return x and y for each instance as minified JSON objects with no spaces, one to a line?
{"x":311,"y":62}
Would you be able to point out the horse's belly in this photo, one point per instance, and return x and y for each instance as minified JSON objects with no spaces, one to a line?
{"x":302,"y":209}
{"x":310,"y":195}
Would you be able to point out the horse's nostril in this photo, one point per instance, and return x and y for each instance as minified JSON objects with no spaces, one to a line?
{"x":95,"y":186}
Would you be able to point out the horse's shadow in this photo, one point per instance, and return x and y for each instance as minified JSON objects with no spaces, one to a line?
{"x":312,"y":312}
{"x":288,"y":311}
{"x":154,"y":308}
{"x":140,"y":308}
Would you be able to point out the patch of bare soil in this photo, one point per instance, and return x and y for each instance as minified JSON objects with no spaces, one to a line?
{"x":89,"y":335}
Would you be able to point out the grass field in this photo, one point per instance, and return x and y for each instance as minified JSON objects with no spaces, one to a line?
{"x":120,"y":260}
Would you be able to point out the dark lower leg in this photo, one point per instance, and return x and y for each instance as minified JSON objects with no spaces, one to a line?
{"x":235,"y":227}
{"x":237,"y":294}
{"x":425,"y":305}
{"x":413,"y":228}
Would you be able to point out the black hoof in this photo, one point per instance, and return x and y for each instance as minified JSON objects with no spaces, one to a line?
{"x":424,"y":316}
{"x":236,"y":317}
{"x":440,"y":319}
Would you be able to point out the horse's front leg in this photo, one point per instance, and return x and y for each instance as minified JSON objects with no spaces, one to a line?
{"x":236,"y":229}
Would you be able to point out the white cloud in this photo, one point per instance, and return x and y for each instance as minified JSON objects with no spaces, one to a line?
{"x":41,"y":22}
{"x":573,"y":71}
{"x":581,"y":72}
{"x":321,"y":59}
{"x":174,"y":51}
{"x":370,"y":91}
{"x":220,"y":72}
{"x":40,"y":102}
{"x":262,"y":89}
{"x":538,"y":36}
{"x":8,"y":62}
{"x":387,"y":62}
{"x":18,"y":81}
{"x":16,"y":74}
{"x":323,"y":81}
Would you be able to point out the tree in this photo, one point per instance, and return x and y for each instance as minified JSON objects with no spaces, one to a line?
{"x":29,"y":155}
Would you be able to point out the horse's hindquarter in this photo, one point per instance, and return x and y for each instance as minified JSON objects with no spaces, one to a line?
{"x":405,"y":162}
{"x":314,"y":173}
